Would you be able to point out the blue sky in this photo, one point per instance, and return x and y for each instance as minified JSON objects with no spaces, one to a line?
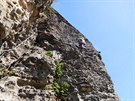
{"x":110,"y":26}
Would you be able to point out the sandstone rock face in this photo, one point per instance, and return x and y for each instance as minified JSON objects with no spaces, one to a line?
{"x":40,"y":58}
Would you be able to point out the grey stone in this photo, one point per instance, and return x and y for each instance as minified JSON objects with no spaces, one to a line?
{"x":26,"y":39}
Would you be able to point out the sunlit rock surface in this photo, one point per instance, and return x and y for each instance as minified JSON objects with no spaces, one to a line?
{"x":40,"y":53}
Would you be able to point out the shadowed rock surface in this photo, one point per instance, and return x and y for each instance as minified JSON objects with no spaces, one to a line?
{"x":40,"y":58}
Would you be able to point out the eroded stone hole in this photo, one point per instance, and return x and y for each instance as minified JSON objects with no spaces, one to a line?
{"x":14,"y":2}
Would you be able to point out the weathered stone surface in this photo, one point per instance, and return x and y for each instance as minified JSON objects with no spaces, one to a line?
{"x":37,"y":45}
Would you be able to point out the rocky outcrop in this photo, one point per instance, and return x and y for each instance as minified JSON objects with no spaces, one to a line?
{"x":40,"y":59}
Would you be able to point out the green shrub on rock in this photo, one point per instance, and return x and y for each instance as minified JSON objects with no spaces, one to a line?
{"x":49,"y":53}
{"x":60,"y":88}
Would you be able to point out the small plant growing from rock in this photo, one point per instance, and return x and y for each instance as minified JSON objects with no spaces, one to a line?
{"x":1,"y":71}
{"x":60,"y":88}
{"x":48,"y":87}
{"x":65,"y":86}
{"x":57,"y":87}
{"x":59,"y":68}
{"x":49,"y":53}
{"x":13,"y":73}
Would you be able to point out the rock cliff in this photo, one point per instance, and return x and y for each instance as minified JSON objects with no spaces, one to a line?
{"x":40,"y":58}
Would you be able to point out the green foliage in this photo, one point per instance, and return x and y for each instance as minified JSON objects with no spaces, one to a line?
{"x":59,"y":68}
{"x":60,"y":88}
{"x":2,"y":70}
{"x":13,"y":72}
{"x":48,"y":87}
{"x":59,"y":71}
{"x":52,"y":72}
{"x":49,"y":53}
{"x":59,"y":64}
{"x":57,"y":87}
{"x":65,"y":86}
